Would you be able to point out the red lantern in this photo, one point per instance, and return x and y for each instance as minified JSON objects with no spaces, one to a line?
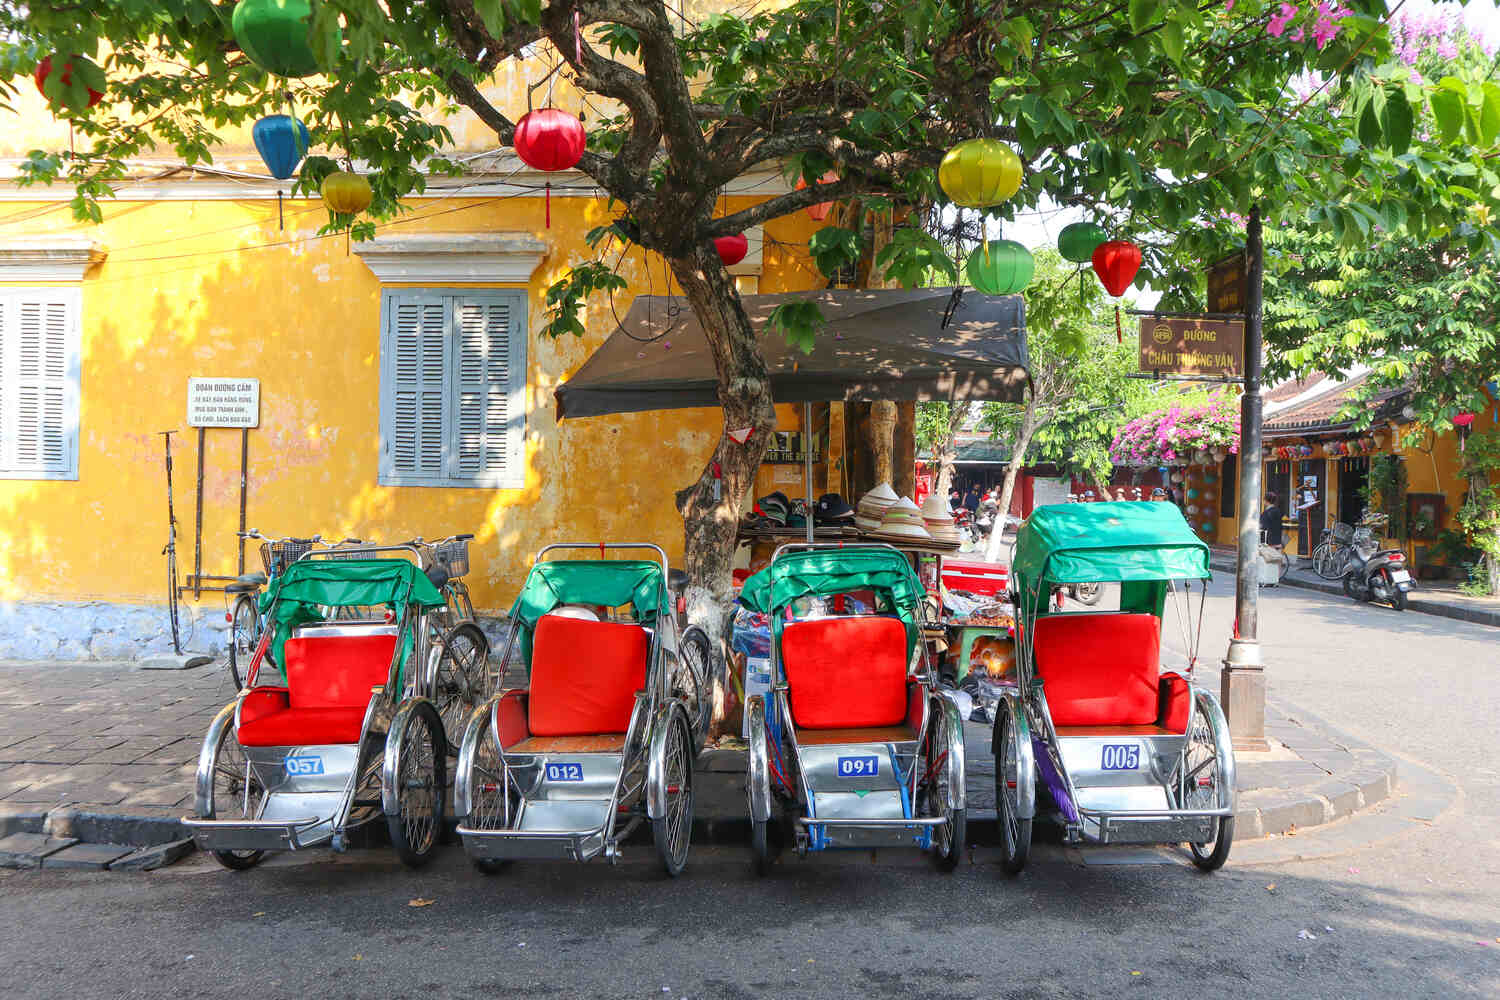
{"x":44,"y":70}
{"x":1116,"y":262}
{"x":551,"y":140}
{"x":1463,"y":419}
{"x":732,"y":249}
{"x":820,"y":211}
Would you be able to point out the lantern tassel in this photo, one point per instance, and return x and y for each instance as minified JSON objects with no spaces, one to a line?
{"x":548,"y":203}
{"x":280,"y":216}
{"x":1119,"y":334}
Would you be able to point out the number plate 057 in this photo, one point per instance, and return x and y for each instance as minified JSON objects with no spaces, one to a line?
{"x":859,"y":767}
{"x":304,"y":765}
{"x":1121,"y":757}
{"x":564,"y":772}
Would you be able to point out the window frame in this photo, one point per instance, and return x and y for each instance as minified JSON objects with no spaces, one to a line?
{"x":514,"y":474}
{"x":72,"y":300}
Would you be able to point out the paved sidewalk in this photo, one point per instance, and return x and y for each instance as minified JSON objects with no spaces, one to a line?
{"x":1429,"y":597}
{"x":114,"y":747}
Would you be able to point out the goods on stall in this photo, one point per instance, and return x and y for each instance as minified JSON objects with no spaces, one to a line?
{"x":872,"y":506}
{"x":833,"y":511}
{"x":939,"y":521}
{"x":902,"y":522}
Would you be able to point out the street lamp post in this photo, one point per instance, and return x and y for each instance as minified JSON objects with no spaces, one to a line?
{"x":1243,"y":683}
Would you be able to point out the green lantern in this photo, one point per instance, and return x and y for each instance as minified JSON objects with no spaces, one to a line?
{"x":273,"y":33}
{"x":1000,"y":267}
{"x":1078,"y":241}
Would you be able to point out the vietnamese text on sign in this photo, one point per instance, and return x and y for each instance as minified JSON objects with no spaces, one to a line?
{"x":1192,"y":345}
{"x":223,"y":402}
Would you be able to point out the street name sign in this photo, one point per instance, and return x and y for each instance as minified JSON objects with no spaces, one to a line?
{"x":223,"y":402}
{"x":1192,"y":345}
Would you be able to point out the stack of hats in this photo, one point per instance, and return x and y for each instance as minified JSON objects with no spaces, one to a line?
{"x":902,"y":522}
{"x":833,"y":512}
{"x":872,"y":507}
{"x":775,"y":508}
{"x":939,"y":521}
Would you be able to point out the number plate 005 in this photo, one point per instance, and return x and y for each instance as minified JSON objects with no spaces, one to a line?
{"x":1121,"y":757}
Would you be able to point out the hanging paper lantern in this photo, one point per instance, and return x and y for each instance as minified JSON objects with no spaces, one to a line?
{"x":1209,"y":477}
{"x":281,"y":141}
{"x":551,"y":140}
{"x":1463,"y":419}
{"x":732,"y":249}
{"x":273,"y":33}
{"x":1116,"y":262}
{"x":820,"y":211}
{"x":1192,"y":494}
{"x":44,"y":70}
{"x":1201,"y":458}
{"x":347,"y":193}
{"x":979,"y":173}
{"x":1078,"y":241}
{"x":1000,"y":267}
{"x":1206,"y":527}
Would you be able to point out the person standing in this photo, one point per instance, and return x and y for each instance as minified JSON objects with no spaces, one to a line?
{"x":971,"y":500}
{"x":1270,"y":521}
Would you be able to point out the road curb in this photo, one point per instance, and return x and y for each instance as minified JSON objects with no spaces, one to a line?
{"x":1414,"y":602}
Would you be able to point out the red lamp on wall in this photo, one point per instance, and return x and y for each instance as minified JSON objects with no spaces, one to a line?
{"x":551,"y":140}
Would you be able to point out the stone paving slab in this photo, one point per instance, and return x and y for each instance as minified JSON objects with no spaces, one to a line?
{"x":86,"y":857}
{"x":26,"y":850}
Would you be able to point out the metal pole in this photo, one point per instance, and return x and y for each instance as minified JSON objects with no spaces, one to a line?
{"x":1243,"y":682}
{"x":244,"y":486}
{"x":198,"y":528}
{"x":807,"y":439}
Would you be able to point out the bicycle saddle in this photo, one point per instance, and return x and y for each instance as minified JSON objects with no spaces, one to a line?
{"x":246,"y":583}
{"x":438,"y":574}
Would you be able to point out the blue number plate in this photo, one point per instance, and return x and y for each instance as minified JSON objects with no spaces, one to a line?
{"x":304,"y":765}
{"x":859,"y":767}
{"x":564,"y":772}
{"x":1121,"y":757}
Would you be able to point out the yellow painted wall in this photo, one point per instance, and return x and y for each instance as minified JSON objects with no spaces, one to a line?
{"x":189,"y":289}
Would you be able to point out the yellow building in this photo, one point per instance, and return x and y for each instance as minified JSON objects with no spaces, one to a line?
{"x":403,"y":387}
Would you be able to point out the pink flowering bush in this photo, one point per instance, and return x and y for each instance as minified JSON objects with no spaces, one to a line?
{"x":1173,"y":435}
{"x":1320,"y":19}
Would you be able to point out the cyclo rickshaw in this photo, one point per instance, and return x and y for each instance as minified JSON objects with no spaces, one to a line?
{"x":855,"y":745}
{"x":604,"y":735}
{"x":1126,"y":752}
{"x":354,"y":732}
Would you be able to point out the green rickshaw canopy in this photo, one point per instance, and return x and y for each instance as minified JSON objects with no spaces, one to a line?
{"x":340,"y":583}
{"x":824,"y":572}
{"x":1117,"y":541}
{"x":607,"y":582}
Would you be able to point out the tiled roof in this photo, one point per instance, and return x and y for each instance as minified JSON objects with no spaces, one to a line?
{"x":1320,"y":413}
{"x":1293,"y":387}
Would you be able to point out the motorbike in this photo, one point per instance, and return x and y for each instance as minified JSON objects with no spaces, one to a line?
{"x":967,"y":527}
{"x":1376,"y":574}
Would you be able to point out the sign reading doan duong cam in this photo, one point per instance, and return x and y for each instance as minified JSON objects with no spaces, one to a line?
{"x":1192,"y":346}
{"x":223,"y":402}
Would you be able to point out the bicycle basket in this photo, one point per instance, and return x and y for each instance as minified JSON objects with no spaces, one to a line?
{"x":453,"y":557}
{"x":277,"y":556}
{"x":1343,"y":532}
{"x":359,"y":550}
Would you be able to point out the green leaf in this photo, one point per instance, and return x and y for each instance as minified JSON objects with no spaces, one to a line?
{"x":1396,"y":122}
{"x":1142,"y":13}
{"x":325,"y":35}
{"x":492,"y":13}
{"x":1369,"y":126}
{"x":1448,"y":112}
{"x":798,"y":321}
{"x":1489,"y":115}
{"x":1173,"y":41}
{"x":833,"y":248}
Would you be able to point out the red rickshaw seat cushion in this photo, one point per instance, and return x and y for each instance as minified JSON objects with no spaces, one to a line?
{"x":329,"y":678}
{"x":584,"y":676}
{"x":846,"y":673}
{"x":1099,"y":669}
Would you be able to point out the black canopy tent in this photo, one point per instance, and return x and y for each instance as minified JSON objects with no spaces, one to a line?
{"x":878,"y":344}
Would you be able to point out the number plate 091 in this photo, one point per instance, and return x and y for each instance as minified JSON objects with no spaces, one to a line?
{"x":1121,"y":757}
{"x":859,"y":767}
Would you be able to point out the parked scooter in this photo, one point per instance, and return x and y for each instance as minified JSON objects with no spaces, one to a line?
{"x":1373,"y":573}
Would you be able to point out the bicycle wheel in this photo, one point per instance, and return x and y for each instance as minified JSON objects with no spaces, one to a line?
{"x":694,"y":682}
{"x":1326,"y":561}
{"x":244,"y":633}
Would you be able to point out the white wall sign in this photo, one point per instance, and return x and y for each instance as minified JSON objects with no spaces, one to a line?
{"x":223,"y":402}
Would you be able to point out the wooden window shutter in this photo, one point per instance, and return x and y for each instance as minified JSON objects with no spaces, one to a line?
{"x":416,"y":378}
{"x":39,"y":384}
{"x":490,"y":347}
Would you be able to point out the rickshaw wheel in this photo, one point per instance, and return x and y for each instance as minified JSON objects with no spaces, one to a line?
{"x":693,"y":682}
{"x":230,"y":800}
{"x":1015,"y":833}
{"x":1212,"y":860}
{"x":459,"y":678}
{"x":955,"y":827}
{"x":760,"y":846}
{"x":673,"y":831}
{"x":419,"y":788}
{"x":242,"y":638}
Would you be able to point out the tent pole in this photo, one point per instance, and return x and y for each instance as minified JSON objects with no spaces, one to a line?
{"x":807,"y":440}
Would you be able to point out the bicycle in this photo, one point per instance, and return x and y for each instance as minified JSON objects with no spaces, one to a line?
{"x":245,"y":621}
{"x":170,"y":551}
{"x":1330,"y":557}
{"x":458,"y":651}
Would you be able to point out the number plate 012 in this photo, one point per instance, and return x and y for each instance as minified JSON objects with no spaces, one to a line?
{"x":1121,"y":757}
{"x":859,"y":767}
{"x":564,"y":772}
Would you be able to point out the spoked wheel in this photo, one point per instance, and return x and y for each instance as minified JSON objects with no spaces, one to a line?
{"x":1201,"y":783}
{"x":760,"y":846}
{"x":491,"y":802}
{"x":1088,"y":593}
{"x":693,"y":683}
{"x":1398,"y":597}
{"x":673,"y":830}
{"x":1015,"y":832}
{"x":950,"y":836}
{"x":1284,"y":568}
{"x":244,"y":633}
{"x":420,"y":773}
{"x":459,"y":678}
{"x":237,"y":794}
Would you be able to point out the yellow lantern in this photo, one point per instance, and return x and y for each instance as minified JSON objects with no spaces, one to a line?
{"x":979,"y":173}
{"x":346,"y":193}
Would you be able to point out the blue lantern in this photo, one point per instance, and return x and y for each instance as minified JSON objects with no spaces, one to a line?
{"x":282,"y":142}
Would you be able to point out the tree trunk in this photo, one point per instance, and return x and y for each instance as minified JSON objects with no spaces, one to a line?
{"x":1013,"y":469}
{"x":710,"y":506}
{"x":945,"y":451}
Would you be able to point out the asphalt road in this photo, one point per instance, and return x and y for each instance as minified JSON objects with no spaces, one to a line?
{"x":1411,"y":915}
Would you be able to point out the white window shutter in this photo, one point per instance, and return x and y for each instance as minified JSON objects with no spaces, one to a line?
{"x":485,"y":376}
{"x":415,"y":379}
{"x":39,"y":391}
